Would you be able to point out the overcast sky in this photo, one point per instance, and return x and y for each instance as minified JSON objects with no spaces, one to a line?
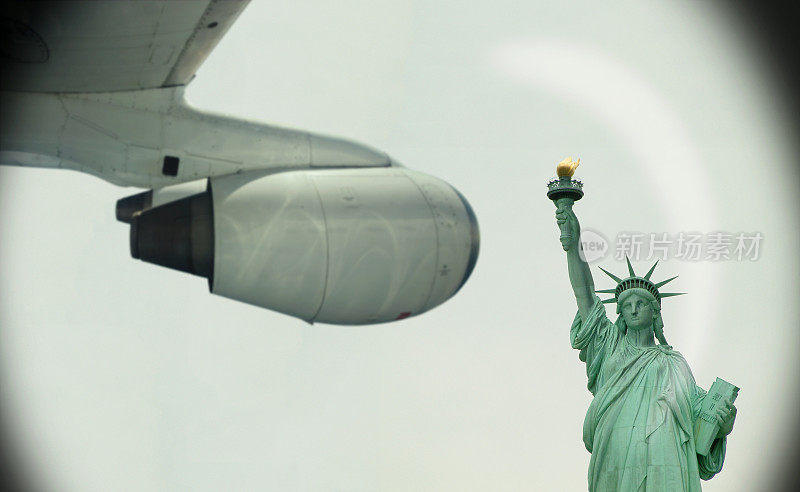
{"x":121,"y":375}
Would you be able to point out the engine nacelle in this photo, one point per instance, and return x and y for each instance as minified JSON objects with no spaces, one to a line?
{"x":342,"y":246}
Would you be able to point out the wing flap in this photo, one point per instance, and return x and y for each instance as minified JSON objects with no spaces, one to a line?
{"x":215,"y":22}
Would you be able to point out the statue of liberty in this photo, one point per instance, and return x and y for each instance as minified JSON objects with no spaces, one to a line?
{"x":643,"y":424}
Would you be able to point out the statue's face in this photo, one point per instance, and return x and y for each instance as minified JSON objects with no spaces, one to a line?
{"x":638,"y":312}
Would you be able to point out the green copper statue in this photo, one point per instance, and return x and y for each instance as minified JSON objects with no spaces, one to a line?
{"x":649,"y":426}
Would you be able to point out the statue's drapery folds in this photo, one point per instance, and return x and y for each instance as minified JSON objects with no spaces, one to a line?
{"x":639,"y":427}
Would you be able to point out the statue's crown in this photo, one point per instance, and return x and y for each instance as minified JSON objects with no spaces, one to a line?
{"x":636,"y":282}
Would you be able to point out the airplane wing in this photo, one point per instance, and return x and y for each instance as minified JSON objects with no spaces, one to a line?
{"x":97,"y":86}
{"x":109,"y":46}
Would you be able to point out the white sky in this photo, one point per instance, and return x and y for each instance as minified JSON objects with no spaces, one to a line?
{"x":119,"y":375}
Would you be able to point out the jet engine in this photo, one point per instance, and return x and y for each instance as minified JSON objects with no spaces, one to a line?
{"x":341,"y":246}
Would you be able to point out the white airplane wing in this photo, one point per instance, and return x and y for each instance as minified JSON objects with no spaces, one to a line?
{"x":97,"y":87}
{"x":109,"y":46}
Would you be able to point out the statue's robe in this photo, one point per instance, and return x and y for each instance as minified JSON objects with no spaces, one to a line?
{"x":639,"y":427}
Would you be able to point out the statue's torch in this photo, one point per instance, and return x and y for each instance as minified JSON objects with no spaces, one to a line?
{"x":564,"y":191}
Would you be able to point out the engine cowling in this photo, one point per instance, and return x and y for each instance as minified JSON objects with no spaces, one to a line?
{"x":341,"y":246}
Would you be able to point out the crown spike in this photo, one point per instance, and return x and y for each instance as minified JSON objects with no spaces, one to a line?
{"x":616,"y":279}
{"x":609,"y":300}
{"x":650,"y":272}
{"x":670,"y":294}
{"x":665,"y":281}
{"x":630,"y":268}
{"x":606,"y":291}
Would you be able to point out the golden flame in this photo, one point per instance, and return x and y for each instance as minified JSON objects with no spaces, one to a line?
{"x":567,"y":167}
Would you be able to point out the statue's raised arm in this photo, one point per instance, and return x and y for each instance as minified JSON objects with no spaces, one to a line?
{"x":564,"y":192}
{"x":580,"y":277}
